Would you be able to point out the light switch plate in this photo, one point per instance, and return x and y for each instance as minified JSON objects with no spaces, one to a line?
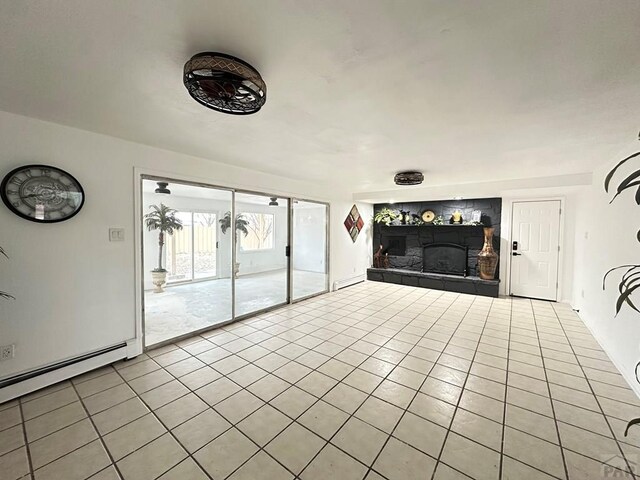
{"x":116,"y":234}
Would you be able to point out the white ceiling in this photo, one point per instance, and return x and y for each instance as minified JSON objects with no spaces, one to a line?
{"x":356,"y":90}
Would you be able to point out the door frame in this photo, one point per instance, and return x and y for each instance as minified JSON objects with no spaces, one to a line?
{"x":507,"y":249}
{"x":327,"y":229}
{"x":136,"y":345}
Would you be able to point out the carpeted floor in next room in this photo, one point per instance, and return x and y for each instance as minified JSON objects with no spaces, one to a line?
{"x":374,"y":381}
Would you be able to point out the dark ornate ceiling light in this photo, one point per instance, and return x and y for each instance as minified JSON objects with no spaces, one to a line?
{"x":273,"y":202}
{"x":162,"y":188}
{"x":224,"y":83}
{"x":408,"y":178}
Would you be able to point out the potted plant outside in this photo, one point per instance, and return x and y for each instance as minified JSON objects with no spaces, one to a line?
{"x":164,"y":219}
{"x":241,"y":226}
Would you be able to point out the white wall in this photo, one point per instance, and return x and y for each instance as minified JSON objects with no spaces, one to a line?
{"x":606,"y":238}
{"x":75,"y":291}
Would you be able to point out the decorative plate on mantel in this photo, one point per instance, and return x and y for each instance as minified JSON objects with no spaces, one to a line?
{"x":428,"y":216}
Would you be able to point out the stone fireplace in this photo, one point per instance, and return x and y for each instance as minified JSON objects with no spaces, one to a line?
{"x":440,"y":256}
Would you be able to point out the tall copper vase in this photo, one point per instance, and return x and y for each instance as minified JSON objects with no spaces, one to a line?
{"x":487,"y":258}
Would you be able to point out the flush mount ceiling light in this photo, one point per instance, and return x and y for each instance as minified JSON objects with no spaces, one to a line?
{"x":273,"y":202}
{"x":224,"y":83}
{"x":162,"y":188}
{"x":408,"y":178}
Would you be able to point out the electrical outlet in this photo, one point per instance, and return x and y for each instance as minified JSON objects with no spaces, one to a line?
{"x":7,"y":352}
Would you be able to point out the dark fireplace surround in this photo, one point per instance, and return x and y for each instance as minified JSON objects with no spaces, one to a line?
{"x":438,"y":256}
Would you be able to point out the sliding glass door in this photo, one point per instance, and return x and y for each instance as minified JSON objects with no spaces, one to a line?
{"x":186,"y":259}
{"x":262,"y":225}
{"x":211,"y":255}
{"x":309,"y":272}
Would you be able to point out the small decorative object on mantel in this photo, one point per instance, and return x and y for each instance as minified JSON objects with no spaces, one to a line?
{"x":224,"y":83}
{"x":354,"y":223}
{"x":439,"y":220}
{"x":428,"y":216}
{"x":476,"y":216}
{"x":42,"y":193}
{"x":386,"y":216}
{"x":404,"y":217}
{"x":408,"y":178}
{"x":456,"y":218}
{"x":487,"y":258}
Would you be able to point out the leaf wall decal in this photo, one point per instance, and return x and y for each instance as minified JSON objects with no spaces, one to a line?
{"x":623,"y":298}
{"x":610,"y":175}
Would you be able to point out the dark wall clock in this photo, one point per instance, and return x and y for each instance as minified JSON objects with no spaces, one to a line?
{"x":42,"y":193}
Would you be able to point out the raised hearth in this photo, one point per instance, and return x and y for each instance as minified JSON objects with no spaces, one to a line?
{"x":436,"y":281}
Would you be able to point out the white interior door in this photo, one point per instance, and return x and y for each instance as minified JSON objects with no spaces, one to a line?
{"x":535,"y":246}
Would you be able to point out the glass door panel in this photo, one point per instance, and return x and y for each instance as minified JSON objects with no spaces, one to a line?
{"x":261,"y":279}
{"x":197,"y":293}
{"x":309,"y":275}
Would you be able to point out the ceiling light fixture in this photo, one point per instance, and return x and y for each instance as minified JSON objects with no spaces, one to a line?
{"x":224,"y":83}
{"x":273,"y":202}
{"x":162,"y":188}
{"x":408,"y":178}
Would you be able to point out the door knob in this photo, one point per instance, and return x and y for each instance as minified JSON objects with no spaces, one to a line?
{"x":516,"y":254}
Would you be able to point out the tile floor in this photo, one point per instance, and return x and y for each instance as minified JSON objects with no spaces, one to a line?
{"x":375,"y":381}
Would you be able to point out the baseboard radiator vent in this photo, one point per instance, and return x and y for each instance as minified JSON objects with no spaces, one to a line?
{"x":27,"y":382}
{"x":347,"y":282}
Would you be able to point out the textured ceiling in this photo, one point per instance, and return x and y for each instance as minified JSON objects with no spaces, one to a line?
{"x":463,"y":90}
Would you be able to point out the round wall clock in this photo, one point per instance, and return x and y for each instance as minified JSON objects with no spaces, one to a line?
{"x":428,"y":216}
{"x":42,"y":193}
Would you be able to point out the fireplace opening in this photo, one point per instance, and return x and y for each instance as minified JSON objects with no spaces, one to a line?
{"x":447,"y":258}
{"x":394,"y":245}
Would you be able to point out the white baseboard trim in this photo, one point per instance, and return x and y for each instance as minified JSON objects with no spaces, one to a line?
{"x":55,"y":375}
{"x":346,"y":282}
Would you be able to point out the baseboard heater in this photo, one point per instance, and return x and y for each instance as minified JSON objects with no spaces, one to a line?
{"x":33,"y":380}
{"x":346,"y":282}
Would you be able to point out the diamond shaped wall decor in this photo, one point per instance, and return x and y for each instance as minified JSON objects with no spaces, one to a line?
{"x":354,"y":223}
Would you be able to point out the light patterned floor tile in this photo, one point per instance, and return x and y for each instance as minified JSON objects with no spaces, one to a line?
{"x":346,"y":365}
